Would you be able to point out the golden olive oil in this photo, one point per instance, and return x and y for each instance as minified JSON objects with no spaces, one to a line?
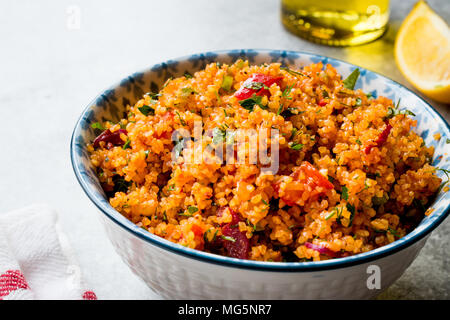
{"x":338,"y":22}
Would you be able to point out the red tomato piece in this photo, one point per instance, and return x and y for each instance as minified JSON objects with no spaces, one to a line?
{"x":256,"y":84}
{"x":198,"y":231}
{"x":240,"y":247}
{"x":322,"y":102}
{"x":380,"y":140}
{"x":234,"y":241}
{"x":306,"y":176}
{"x":110,"y":137}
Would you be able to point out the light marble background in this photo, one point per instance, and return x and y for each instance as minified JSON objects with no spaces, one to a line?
{"x":49,"y":72}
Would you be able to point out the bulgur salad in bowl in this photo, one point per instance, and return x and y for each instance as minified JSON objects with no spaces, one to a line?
{"x":265,"y":157}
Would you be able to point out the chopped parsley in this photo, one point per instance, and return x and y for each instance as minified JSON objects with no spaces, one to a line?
{"x":295,"y":146}
{"x":250,"y":103}
{"x":293,"y":72}
{"x":280,"y":109}
{"x":97,"y":125}
{"x":352,"y":210}
{"x":392,"y":112}
{"x":192,"y":209}
{"x":447,"y":174}
{"x":146,"y":110}
{"x":331,"y":214}
{"x":127,"y":144}
{"x":393,"y":232}
{"x":286,"y":92}
{"x":183,"y":123}
{"x":344,"y":193}
{"x":185,"y":214}
{"x":153,"y":96}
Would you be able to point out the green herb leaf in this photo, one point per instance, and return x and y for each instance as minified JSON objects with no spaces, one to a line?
{"x":183,"y":123}
{"x":146,"y":110}
{"x":295,"y":146}
{"x":358,"y":102}
{"x":154,"y":96}
{"x":97,"y":125}
{"x":331,"y":214}
{"x":250,"y":103}
{"x":185,"y":214}
{"x":280,"y":109}
{"x":187,"y":75}
{"x":127,"y":144}
{"x":394,"y":232}
{"x":287,"y":91}
{"x":350,"y":82}
{"x":352,"y":210}
{"x":344,"y":193}
{"x":192,"y":209}
{"x":293,"y":72}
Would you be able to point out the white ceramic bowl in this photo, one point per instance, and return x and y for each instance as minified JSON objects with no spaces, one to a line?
{"x":174,"y":271}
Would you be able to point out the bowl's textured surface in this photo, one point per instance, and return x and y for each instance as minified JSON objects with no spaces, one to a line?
{"x":178,"y":272}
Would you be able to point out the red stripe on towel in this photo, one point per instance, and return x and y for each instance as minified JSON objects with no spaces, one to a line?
{"x":10,"y":281}
{"x":89,"y":295}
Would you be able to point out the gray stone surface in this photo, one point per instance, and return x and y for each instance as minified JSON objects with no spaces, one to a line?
{"x":49,"y":72}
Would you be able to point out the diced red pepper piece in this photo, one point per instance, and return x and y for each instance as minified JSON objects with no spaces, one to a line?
{"x":380,"y":140}
{"x":198,"y":231}
{"x":237,"y":246}
{"x":314,"y":176}
{"x":304,"y":175}
{"x":249,"y":87}
{"x":322,"y":102}
{"x":110,"y":138}
{"x":240,"y":247}
{"x":322,"y":249}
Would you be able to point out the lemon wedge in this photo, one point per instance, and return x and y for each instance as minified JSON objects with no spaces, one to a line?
{"x":422,"y":52}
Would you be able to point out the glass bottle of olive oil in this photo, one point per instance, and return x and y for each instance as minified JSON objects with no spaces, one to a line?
{"x":336,"y":22}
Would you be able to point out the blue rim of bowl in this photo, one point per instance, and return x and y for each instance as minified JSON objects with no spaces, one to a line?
{"x":361,"y":258}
